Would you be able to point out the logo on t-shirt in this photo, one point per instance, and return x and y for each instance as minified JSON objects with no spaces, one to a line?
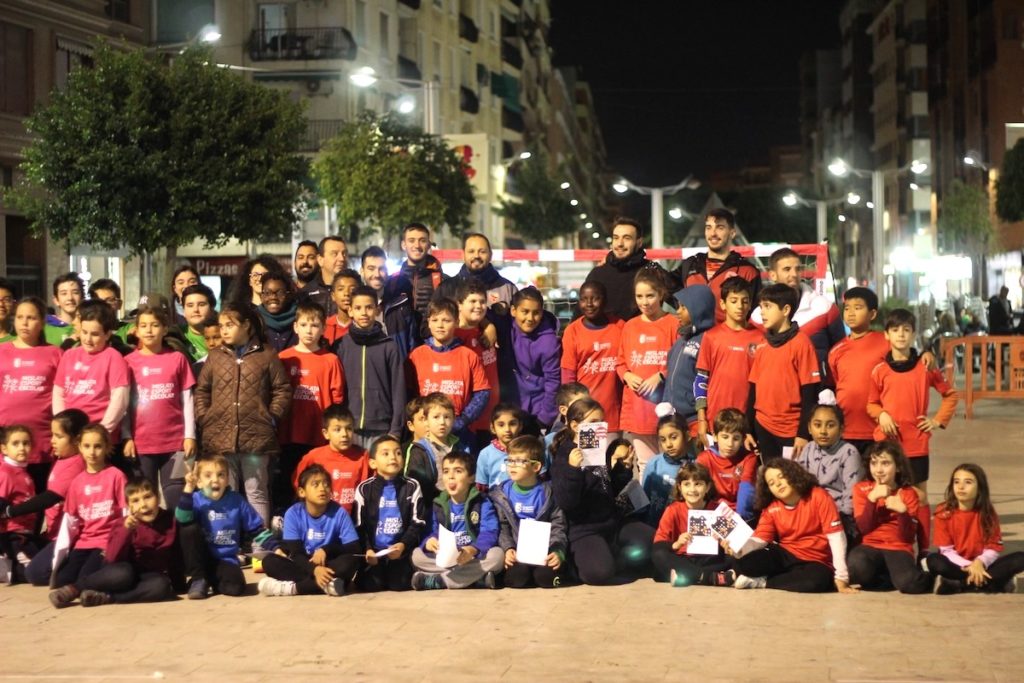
{"x":442,"y":368}
{"x":81,"y":367}
{"x":643,"y":338}
{"x":90,"y":489}
{"x":474,"y":517}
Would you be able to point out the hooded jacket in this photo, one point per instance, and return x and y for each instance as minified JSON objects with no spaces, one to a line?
{"x":401,"y":322}
{"x":534,"y":361}
{"x":374,"y":378}
{"x":682,"y":358}
{"x":694,"y":271}
{"x":617,"y":277}
{"x":425,"y":277}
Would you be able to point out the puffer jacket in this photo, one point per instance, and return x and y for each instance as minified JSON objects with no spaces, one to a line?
{"x":240,"y":397}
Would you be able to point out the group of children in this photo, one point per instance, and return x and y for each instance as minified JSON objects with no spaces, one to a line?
{"x":312,"y":461}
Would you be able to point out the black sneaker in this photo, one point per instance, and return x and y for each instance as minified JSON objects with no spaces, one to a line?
{"x":95,"y":598}
{"x":335,"y":588}
{"x":198,"y":590}
{"x":725,"y":579}
{"x":63,"y":596}
{"x":423,"y":581}
{"x":488,"y":581}
{"x":944,"y":586}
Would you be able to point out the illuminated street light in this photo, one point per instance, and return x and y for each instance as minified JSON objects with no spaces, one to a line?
{"x":565,"y":185}
{"x":366,"y":76}
{"x":972,"y":158}
{"x":790,"y":199}
{"x":657,"y":195}
{"x":915,"y":186}
{"x":853,"y":198}
{"x":525,"y":155}
{"x":595,"y":234}
{"x":621,"y":188}
{"x":574,"y":202}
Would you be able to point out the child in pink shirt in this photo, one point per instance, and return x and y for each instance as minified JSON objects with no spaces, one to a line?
{"x":17,"y":534}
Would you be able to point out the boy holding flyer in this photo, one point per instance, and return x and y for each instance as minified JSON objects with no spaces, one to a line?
{"x":532,"y":534}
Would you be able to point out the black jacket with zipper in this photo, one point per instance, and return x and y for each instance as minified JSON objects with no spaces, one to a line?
{"x":374,"y":378}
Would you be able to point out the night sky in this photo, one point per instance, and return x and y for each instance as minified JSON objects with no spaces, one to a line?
{"x":692,"y":86}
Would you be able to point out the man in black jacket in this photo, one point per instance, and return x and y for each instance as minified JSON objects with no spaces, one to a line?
{"x":420,"y":268}
{"x":620,"y":267}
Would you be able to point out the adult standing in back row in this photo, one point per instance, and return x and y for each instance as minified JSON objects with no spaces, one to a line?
{"x":620,"y":267}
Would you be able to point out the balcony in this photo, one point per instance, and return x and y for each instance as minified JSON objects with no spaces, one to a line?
{"x":408,"y":69}
{"x":509,"y":28}
{"x":468,"y":101}
{"x":414,"y":4}
{"x":318,"y":131}
{"x":512,"y":120}
{"x":467,"y":29}
{"x":301,"y":44}
{"x":511,"y":55}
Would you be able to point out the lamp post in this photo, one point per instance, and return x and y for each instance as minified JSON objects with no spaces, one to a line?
{"x":657,"y":195}
{"x":366,"y":76}
{"x":841,"y":169}
{"x":792,"y":200}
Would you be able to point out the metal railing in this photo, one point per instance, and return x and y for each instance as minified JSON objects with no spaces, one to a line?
{"x":302,"y":44}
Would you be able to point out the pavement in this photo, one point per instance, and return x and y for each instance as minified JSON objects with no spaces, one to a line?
{"x":637,"y":632}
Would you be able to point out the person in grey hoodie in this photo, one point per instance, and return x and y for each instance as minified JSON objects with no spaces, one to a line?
{"x":696,"y":313}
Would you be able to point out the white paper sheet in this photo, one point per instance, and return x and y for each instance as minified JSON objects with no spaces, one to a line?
{"x":699,"y":526}
{"x":787,"y":452}
{"x":66,"y":536}
{"x":382,"y":553}
{"x":447,"y":549}
{"x":593,"y":441}
{"x":728,"y":525}
{"x":534,"y":541}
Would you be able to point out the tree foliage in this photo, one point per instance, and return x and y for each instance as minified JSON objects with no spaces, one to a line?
{"x":383,"y":173}
{"x":542,"y":210}
{"x":1010,"y":186}
{"x":964,"y":223}
{"x":139,"y":154}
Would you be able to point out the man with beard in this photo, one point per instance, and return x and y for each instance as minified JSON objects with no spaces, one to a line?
{"x":332,"y":258}
{"x":720,"y":262}
{"x":394,"y":299}
{"x":422,"y":270}
{"x":620,"y":267}
{"x":476,"y":256}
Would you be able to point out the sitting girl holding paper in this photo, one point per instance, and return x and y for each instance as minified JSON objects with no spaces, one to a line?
{"x":685,"y":553}
{"x":799,"y":544}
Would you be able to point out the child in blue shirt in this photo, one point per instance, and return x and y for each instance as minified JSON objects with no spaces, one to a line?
{"x":469,"y":514}
{"x":506,"y":424}
{"x":320,"y":545}
{"x":391,"y":518}
{"x":659,"y":480}
{"x":523,"y":496}
{"x":214,"y":522}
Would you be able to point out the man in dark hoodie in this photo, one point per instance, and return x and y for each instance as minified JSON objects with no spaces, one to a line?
{"x":374,"y":371}
{"x":620,"y":267}
{"x":696,"y":313}
{"x":421,"y":269}
{"x":476,"y":257}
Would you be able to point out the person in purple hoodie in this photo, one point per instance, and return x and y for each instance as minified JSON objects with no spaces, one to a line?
{"x":535,"y":356}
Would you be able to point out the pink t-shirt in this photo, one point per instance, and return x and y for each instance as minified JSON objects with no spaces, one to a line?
{"x":158,"y":417}
{"x":96,"y":501}
{"x":26,"y":392}
{"x":88,"y":379}
{"x":63,"y":473}
{"x":16,"y":487}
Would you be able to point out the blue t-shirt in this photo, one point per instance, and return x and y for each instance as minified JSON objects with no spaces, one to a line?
{"x":457,"y":524}
{"x":224,"y":521}
{"x":490,"y":466}
{"x":334,"y":526}
{"x":389,"y":518}
{"x":526,"y":503}
{"x":659,"y":481}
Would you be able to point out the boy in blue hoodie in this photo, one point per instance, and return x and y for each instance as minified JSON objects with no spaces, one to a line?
{"x":696,"y":313}
{"x":213,"y":522}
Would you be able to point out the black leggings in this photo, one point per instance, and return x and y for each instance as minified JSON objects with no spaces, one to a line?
{"x":224,"y":576}
{"x":40,"y":568}
{"x":785,"y":571}
{"x":521,"y":575}
{"x":301,"y":571}
{"x":595,"y":560}
{"x":79,"y":565}
{"x":693,"y":569}
{"x":13,"y":543}
{"x":770,"y":445}
{"x":387,"y":574}
{"x":126,"y":585}
{"x":1002,"y":571}
{"x":158,"y":469}
{"x":876,"y":569}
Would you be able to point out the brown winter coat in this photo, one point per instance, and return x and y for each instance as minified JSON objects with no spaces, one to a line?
{"x":239,"y":401}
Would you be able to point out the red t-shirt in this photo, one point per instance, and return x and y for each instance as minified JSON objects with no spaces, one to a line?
{"x":643,"y":351}
{"x":333,"y":330}
{"x":851,"y":362}
{"x":780,"y":373}
{"x":962,"y":530}
{"x":729,"y":473}
{"x":904,"y":396}
{"x":88,"y":379}
{"x":158,"y":414}
{"x":63,"y":473}
{"x":348,"y":470}
{"x":317,"y":382}
{"x":16,"y":487}
{"x":489,"y":359}
{"x":592,"y":354}
{"x":97,"y":502}
{"x":894,"y":530}
{"x":675,"y":521}
{"x":457,"y":373}
{"x":803,"y":528}
{"x":728,"y":355}
{"x":26,"y":392}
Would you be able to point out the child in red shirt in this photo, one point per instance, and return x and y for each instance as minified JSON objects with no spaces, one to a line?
{"x":590,"y":352}
{"x":969,"y":540}
{"x":885,"y":508}
{"x":783,"y":379}
{"x":17,"y":534}
{"x":348,"y":465}
{"x":694,"y":490}
{"x":342,"y":286}
{"x":471,"y":297}
{"x":732,"y":467}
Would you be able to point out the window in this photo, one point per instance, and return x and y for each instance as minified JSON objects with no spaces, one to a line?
{"x":15,"y":69}
{"x":360,"y":27}
{"x":70,"y":56}
{"x":118,"y":10}
{"x":385,"y":34}
{"x":435,"y":65}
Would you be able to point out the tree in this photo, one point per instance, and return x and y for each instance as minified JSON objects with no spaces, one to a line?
{"x":541,"y":210}
{"x":139,"y":154}
{"x":384,"y":173}
{"x":1010,"y":186}
{"x":964,"y":224}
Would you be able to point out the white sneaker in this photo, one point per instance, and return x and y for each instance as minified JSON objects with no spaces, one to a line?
{"x":274,"y":588}
{"x":751,"y":582}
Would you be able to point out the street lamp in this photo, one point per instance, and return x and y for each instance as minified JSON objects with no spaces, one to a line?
{"x":366,"y":76}
{"x":622,"y":186}
{"x":208,"y":35}
{"x":972,"y":158}
{"x":792,"y":200}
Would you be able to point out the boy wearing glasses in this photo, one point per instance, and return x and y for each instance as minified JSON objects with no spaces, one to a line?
{"x":524,"y":496}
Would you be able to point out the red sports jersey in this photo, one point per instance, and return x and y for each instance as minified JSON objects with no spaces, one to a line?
{"x":643,"y":351}
{"x":347,"y":469}
{"x":317,"y":382}
{"x":489,"y":360}
{"x":803,"y":528}
{"x":850,"y":362}
{"x":333,"y":330}
{"x":727,"y":355}
{"x":591,"y":355}
{"x":780,"y":373}
{"x":675,"y":521}
{"x":904,"y":396}
{"x":729,"y":473}
{"x":893,"y":530}
{"x":457,"y":373}
{"x":16,"y":487}
{"x":962,"y":530}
